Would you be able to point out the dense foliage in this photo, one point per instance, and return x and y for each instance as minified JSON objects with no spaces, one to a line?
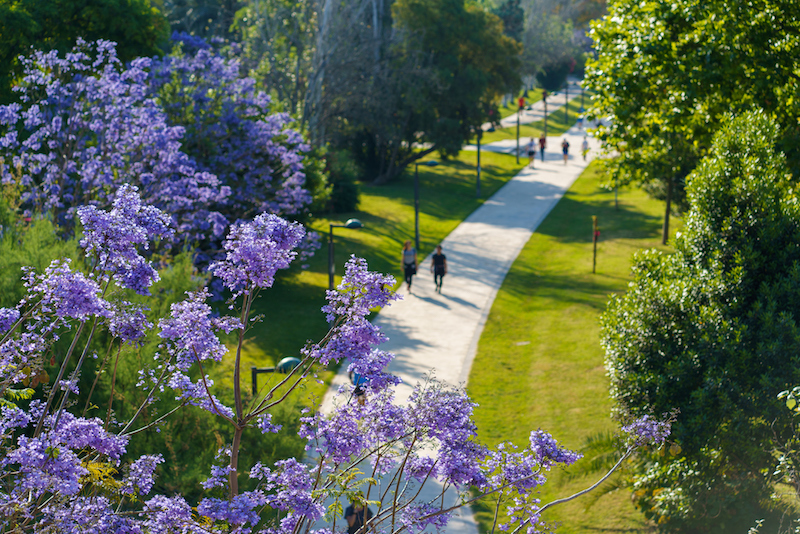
{"x":136,"y":25}
{"x":667,"y":73}
{"x":65,"y":466}
{"x":712,"y":330}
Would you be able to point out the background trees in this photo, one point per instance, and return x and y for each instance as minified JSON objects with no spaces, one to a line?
{"x":713,"y":331}
{"x":138,"y":28}
{"x":666,"y":73}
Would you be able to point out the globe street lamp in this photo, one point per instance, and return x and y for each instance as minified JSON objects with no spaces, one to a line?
{"x":351,"y":223}
{"x":429,"y":163}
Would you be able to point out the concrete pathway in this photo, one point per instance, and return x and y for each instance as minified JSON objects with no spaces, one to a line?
{"x":439,"y":333}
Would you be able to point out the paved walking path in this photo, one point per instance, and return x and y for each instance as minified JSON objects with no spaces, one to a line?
{"x":439,"y":333}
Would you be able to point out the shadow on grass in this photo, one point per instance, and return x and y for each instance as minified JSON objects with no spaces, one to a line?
{"x":571,"y":221}
{"x":589,"y":290}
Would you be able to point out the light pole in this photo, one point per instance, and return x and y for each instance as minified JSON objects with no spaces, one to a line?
{"x":478,"y":183}
{"x":544,"y":99}
{"x":521,"y":103}
{"x":429,"y":163}
{"x":351,"y":223}
{"x":566,"y":103}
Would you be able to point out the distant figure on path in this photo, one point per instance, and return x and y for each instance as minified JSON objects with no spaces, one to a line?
{"x":357,"y":516}
{"x":585,"y":147}
{"x":409,"y":263}
{"x":565,"y":149}
{"x":531,"y":152}
{"x":542,"y":145}
{"x":439,"y":265}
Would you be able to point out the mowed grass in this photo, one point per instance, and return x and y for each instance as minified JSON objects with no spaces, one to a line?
{"x":534,"y":95}
{"x":539,"y":362}
{"x":555,"y":124}
{"x":291,"y":309}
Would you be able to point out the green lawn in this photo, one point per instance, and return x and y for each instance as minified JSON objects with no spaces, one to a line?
{"x":539,"y":362}
{"x":555,"y":125}
{"x":534,"y":95}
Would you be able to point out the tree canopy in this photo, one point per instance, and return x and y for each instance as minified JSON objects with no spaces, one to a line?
{"x":667,"y":72}
{"x":138,"y":28}
{"x":713,"y":330}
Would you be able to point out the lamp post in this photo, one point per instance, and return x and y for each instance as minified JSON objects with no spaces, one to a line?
{"x":544,"y":99}
{"x":429,"y":163}
{"x":478,"y":183}
{"x":351,"y":223}
{"x":521,"y":103}
{"x":566,"y":103}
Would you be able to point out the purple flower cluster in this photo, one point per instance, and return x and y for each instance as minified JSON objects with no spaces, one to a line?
{"x":190,"y":337}
{"x":230,"y":132}
{"x":51,"y":462}
{"x":8,"y":317}
{"x":115,"y":235}
{"x":547,"y":451}
{"x":85,"y":125}
{"x":648,"y":431}
{"x":189,"y":131}
{"x":255,"y":251}
{"x":65,"y":293}
{"x":140,"y":477}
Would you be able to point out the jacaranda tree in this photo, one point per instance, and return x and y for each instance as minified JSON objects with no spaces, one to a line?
{"x":190,"y":131}
{"x":62,"y":470}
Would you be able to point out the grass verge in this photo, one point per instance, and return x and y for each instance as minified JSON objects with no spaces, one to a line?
{"x":556,"y":125}
{"x":534,"y":95}
{"x":539,"y":362}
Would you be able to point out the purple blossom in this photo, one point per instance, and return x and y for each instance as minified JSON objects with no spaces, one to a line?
{"x":139,"y":478}
{"x":264,"y":423}
{"x":189,"y":333}
{"x":547,"y":451}
{"x":648,"y":431}
{"x":359,"y":292}
{"x":115,"y":235}
{"x":240,"y":510}
{"x":292,"y":482}
{"x":164,"y":515}
{"x":66,"y":293}
{"x":8,"y":317}
{"x":255,"y":251}
{"x":129,"y":323}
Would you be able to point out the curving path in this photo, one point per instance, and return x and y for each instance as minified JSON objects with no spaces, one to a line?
{"x":439,"y":333}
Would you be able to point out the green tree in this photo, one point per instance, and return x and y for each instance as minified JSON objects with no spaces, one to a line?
{"x":439,"y":80}
{"x":666,"y":72}
{"x":138,"y":28}
{"x":713,"y":331}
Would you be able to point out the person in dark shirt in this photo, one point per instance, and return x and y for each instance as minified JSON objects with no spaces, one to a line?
{"x":357,"y":515}
{"x":438,"y":267}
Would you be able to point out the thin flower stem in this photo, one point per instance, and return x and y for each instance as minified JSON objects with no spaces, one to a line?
{"x":113,"y":387}
{"x":75,"y":372}
{"x":157,"y":421}
{"x":61,"y":371}
{"x":97,"y":378}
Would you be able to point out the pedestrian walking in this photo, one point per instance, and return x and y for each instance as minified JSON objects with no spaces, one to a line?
{"x":585,"y":147}
{"x":565,"y":149}
{"x":542,"y":145}
{"x":439,"y":265}
{"x":357,"y":516}
{"x":409,"y":263}
{"x":531,"y":152}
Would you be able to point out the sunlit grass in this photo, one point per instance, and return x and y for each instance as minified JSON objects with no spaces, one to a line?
{"x":539,"y":362}
{"x":556,"y":125}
